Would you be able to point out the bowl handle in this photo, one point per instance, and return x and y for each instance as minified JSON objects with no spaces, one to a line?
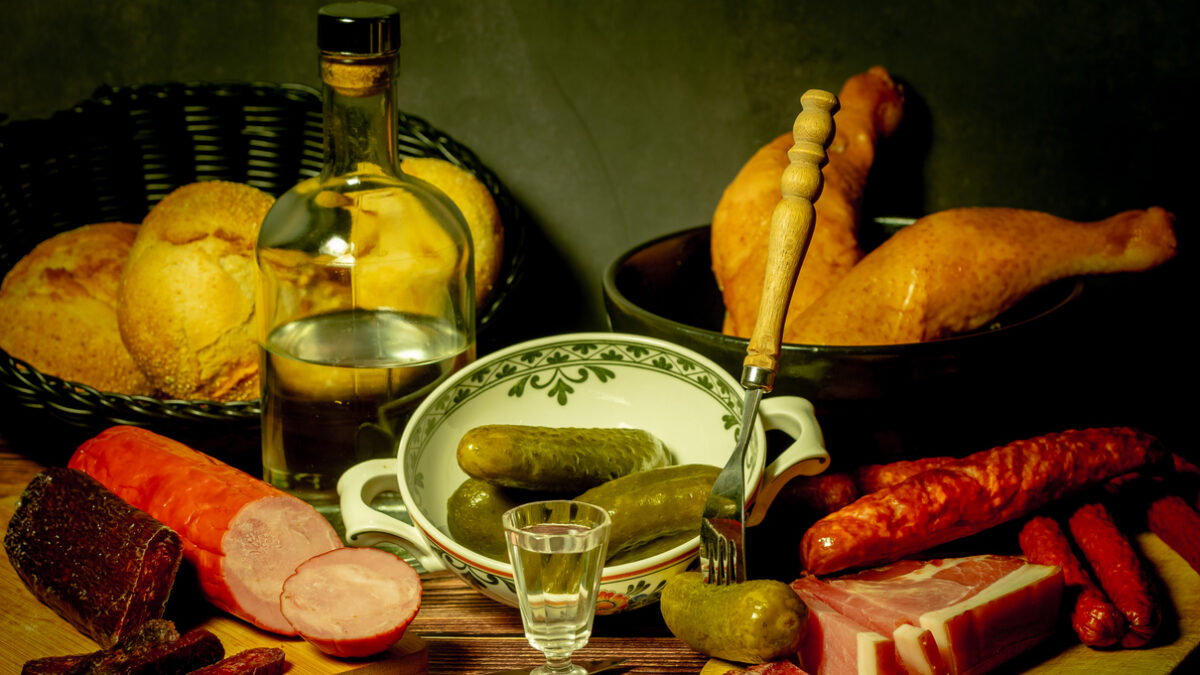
{"x":806,"y":456}
{"x":365,"y":526}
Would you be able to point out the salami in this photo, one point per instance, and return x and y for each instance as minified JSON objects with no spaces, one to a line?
{"x":243,"y":536}
{"x":970,"y":495}
{"x":1121,"y":574}
{"x":102,"y":564}
{"x":1096,"y":621}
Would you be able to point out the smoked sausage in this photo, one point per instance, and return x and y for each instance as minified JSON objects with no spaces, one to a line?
{"x":970,"y":495}
{"x":1096,"y":621}
{"x":1178,"y":525}
{"x":1119,"y":570}
{"x":875,"y":477}
{"x":243,"y":536}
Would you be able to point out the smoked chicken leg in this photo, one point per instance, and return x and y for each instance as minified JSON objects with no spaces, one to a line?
{"x":955,"y":270}
{"x":871,"y":107}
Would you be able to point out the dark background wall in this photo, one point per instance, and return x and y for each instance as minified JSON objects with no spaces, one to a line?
{"x":616,"y":121}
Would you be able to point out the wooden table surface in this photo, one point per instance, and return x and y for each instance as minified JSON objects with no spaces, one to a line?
{"x":459,"y":631}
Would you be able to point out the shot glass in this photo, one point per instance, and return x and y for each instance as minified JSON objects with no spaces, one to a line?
{"x":557,"y":549}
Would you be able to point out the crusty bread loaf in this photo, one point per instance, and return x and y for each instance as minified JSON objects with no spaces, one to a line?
{"x":478,"y":208}
{"x":59,"y":305}
{"x":186,"y":309}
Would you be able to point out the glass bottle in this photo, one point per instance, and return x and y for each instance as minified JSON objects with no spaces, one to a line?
{"x":366,"y":287}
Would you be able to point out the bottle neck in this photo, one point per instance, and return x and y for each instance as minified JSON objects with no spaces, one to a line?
{"x":359,"y":114}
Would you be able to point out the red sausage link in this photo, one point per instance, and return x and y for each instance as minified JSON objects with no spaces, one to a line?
{"x":243,"y":536}
{"x":970,"y":495}
{"x":1178,"y":525}
{"x":821,"y":494}
{"x":875,"y":477}
{"x":1120,"y":572}
{"x":1096,"y":621}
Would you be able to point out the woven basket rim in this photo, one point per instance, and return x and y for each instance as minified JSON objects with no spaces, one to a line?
{"x":83,"y":405}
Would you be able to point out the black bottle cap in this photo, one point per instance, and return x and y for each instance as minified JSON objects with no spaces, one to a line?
{"x":359,"y":28}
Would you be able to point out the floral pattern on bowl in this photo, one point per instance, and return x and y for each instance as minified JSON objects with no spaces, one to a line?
{"x":579,"y":380}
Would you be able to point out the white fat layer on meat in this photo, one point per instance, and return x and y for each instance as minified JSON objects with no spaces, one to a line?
{"x":916,"y":649}
{"x":1017,"y":581}
{"x":868,"y":646}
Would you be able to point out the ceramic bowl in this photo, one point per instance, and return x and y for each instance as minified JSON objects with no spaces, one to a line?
{"x":875,"y":403}
{"x":576,"y":380}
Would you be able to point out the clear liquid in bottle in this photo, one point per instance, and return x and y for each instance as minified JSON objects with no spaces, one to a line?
{"x":328,"y":376}
{"x":366,"y":287}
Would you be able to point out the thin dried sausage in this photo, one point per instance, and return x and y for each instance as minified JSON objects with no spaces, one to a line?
{"x":1178,"y":525}
{"x":254,"y":661}
{"x":1120,"y":572}
{"x":155,"y":647}
{"x":1096,"y":621}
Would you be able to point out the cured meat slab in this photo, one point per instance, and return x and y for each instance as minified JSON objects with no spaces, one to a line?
{"x":979,"y":611}
{"x":102,"y":564}
{"x":836,"y":644}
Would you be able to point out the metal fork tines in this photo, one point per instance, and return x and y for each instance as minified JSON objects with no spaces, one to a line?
{"x":722,"y":527}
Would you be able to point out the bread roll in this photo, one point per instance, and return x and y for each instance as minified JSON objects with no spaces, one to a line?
{"x":478,"y":208}
{"x":59,"y":305}
{"x":871,"y":107}
{"x":186,"y":309}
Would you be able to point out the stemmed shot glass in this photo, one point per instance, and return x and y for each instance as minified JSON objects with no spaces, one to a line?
{"x":557,"y":549}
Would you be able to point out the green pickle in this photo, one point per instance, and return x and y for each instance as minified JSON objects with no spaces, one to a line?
{"x":561,"y":460}
{"x":651,"y":548}
{"x":473,"y":515}
{"x":751,"y":622}
{"x":649,"y":505}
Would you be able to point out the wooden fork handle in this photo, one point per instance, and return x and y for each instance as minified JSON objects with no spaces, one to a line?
{"x":791,"y":230}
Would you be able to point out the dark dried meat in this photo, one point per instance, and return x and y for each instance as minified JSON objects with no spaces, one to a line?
{"x":256,"y":661}
{"x":193,"y":650}
{"x":102,"y":564}
{"x":149,"y":635}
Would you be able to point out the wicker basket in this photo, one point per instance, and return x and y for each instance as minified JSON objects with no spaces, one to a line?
{"x":115,"y":155}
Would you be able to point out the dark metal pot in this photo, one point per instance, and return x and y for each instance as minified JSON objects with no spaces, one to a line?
{"x":874,"y":403}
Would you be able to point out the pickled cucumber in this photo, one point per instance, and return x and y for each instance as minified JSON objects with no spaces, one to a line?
{"x":651,"y":504}
{"x":560,"y":460}
{"x":751,"y":622}
{"x":651,"y":548}
{"x":473,"y":515}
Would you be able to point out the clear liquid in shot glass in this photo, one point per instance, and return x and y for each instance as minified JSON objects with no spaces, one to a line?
{"x":560,"y":576}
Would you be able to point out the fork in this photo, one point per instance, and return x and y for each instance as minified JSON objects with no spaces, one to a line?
{"x":722,"y":526}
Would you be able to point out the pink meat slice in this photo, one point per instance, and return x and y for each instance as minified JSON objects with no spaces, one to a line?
{"x":836,"y":645}
{"x":978,"y":611}
{"x":352,"y":602}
